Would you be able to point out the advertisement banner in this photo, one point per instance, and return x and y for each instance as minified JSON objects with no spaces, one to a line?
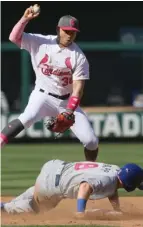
{"x":105,"y":125}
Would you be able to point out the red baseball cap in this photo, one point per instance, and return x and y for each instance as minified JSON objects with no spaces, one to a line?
{"x":68,"y":23}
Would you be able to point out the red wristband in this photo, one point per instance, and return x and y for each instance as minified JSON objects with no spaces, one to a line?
{"x":73,"y":103}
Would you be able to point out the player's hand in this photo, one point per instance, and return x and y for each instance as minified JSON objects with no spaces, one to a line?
{"x":114,"y":214}
{"x":30,"y":14}
{"x":79,"y":215}
{"x":61,"y":122}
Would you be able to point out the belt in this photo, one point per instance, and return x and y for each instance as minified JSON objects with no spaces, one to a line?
{"x":58,"y":175}
{"x":62,"y":97}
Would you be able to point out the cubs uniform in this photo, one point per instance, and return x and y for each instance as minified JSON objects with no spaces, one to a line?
{"x":59,"y":180}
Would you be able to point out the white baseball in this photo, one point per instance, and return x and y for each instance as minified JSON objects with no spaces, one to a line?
{"x":36,"y":9}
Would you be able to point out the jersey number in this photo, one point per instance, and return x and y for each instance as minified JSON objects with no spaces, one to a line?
{"x":66,"y":81}
{"x":80,"y":165}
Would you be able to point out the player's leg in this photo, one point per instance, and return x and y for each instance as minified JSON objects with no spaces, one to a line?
{"x":39,"y":106}
{"x":45,"y":193}
{"x":20,"y":204}
{"x":11,"y":130}
{"x":84,"y":132}
{"x":41,"y":196}
{"x":42,"y":202}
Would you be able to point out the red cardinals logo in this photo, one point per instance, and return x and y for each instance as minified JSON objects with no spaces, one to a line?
{"x":68,"y":63}
{"x":72,"y":22}
{"x":48,"y":69}
{"x":44,"y":60}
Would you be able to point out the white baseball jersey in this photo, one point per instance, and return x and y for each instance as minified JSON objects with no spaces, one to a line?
{"x":55,"y":67}
{"x":102,"y":177}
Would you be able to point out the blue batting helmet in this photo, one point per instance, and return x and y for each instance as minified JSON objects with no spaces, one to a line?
{"x":131,"y":176}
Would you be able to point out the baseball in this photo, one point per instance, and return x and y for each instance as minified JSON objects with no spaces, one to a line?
{"x":36,"y":9}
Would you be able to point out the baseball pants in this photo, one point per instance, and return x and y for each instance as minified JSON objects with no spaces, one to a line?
{"x":41,"y":105}
{"x":46,"y":190}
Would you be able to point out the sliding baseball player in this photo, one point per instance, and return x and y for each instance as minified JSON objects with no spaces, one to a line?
{"x":82,"y":181}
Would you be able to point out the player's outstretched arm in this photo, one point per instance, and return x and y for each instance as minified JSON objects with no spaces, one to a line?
{"x":84,"y":192}
{"x":114,"y":200}
{"x":29,"y":14}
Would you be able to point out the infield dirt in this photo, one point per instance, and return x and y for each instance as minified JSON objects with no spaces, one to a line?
{"x":63,"y":214}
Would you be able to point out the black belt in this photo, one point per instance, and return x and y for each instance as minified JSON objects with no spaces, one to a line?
{"x":62,"y":97}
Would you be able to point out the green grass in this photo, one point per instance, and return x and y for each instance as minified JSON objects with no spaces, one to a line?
{"x":21,"y":163}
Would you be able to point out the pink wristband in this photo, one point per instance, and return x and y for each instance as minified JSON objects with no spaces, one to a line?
{"x":73,"y":103}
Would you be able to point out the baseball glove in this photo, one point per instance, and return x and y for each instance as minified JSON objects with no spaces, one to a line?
{"x":61,"y":123}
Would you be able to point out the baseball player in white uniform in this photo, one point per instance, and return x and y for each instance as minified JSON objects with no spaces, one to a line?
{"x":76,"y":180}
{"x":61,"y":70}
